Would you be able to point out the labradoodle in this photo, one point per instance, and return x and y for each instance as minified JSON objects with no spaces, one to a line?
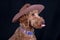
{"x":28,"y":22}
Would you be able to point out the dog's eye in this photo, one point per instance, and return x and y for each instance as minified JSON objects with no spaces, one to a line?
{"x":32,"y":14}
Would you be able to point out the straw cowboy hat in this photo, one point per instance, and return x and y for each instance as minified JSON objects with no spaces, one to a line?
{"x":27,"y":8}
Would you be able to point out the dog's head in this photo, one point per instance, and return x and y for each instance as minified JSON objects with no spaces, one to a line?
{"x":32,"y":19}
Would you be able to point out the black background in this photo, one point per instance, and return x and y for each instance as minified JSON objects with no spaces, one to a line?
{"x":51,"y":14}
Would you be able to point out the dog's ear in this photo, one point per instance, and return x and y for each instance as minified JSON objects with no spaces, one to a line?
{"x":24,"y":19}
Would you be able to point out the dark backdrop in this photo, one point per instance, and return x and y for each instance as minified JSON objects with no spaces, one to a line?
{"x":51,"y":14}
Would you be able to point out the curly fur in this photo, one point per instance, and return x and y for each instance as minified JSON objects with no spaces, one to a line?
{"x":25,"y":21}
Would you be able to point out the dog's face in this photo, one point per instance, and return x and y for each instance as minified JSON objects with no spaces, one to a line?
{"x":33,"y":19}
{"x":36,"y":21}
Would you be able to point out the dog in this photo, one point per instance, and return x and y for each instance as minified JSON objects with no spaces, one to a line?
{"x":27,"y":23}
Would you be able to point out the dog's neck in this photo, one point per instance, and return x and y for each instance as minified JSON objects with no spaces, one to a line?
{"x":28,"y":28}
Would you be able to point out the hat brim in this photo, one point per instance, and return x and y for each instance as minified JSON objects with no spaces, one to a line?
{"x":38,"y":7}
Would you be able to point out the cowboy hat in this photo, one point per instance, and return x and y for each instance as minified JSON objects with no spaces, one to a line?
{"x":27,"y":8}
